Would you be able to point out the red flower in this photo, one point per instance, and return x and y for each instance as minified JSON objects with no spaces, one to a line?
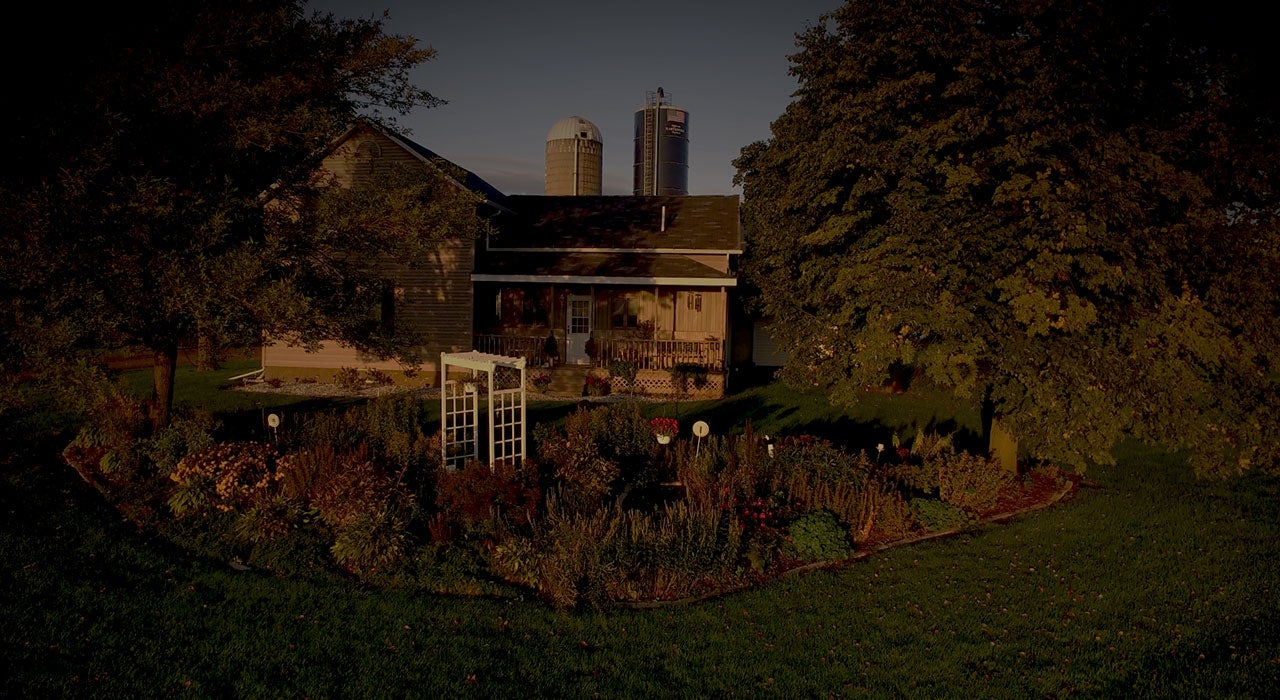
{"x":664,"y":426}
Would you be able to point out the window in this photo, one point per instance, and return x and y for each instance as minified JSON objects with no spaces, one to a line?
{"x":580,"y":316}
{"x":694,"y":302}
{"x":533,"y":311}
{"x":626,"y":310}
{"x":391,"y":294}
{"x":514,"y":306}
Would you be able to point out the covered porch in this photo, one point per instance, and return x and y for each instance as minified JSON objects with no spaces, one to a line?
{"x":653,"y":327}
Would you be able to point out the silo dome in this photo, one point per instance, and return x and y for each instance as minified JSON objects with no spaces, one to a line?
{"x":574,"y":128}
{"x":575,"y":158}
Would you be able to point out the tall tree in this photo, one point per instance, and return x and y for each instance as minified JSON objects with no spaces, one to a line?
{"x":133,"y":210}
{"x":1064,"y":209}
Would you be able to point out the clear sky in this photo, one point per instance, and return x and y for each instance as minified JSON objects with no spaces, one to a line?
{"x":510,"y":70}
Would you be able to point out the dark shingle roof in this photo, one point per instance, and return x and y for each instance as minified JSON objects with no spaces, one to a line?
{"x":465,"y":177}
{"x":632,"y":223}
{"x":627,"y":265}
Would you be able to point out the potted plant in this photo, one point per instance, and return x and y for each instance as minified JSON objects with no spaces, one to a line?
{"x":597,"y":386}
{"x":540,"y":381}
{"x":664,"y":429}
{"x":551,"y":350}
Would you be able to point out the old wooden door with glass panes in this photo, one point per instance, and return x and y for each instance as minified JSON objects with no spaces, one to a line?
{"x":578,"y":329}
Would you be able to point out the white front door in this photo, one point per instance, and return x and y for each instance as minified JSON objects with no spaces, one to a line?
{"x":578,"y":329}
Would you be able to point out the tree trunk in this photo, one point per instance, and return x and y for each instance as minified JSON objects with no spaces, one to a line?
{"x":164,"y":365}
{"x":1001,"y":444}
{"x":206,"y":351}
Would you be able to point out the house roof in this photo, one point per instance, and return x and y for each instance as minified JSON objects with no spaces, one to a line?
{"x":617,"y":224}
{"x":460,"y":175}
{"x":599,"y":268}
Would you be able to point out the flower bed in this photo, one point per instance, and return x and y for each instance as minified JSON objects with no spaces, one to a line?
{"x":603,"y":514}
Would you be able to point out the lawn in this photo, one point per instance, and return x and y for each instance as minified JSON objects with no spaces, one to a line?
{"x":1149,"y":583}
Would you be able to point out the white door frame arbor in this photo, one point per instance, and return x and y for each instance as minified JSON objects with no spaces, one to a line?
{"x":460,"y":408}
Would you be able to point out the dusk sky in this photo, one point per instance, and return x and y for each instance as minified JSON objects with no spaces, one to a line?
{"x":510,"y":70}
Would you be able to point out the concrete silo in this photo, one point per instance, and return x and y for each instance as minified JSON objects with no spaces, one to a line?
{"x":575,"y":153}
{"x":662,"y":147}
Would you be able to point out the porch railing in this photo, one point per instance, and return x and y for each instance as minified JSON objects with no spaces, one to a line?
{"x":529,"y":347}
{"x":646,"y":354}
{"x":660,"y":354}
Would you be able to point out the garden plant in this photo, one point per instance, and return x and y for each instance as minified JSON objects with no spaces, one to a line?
{"x":614,"y":507}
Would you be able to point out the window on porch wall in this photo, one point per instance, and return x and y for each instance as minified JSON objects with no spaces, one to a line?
{"x":515,"y":307}
{"x":696,"y":313}
{"x":626,"y":311}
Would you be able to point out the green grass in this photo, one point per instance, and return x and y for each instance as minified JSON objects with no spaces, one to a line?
{"x":778,"y":409}
{"x":1149,"y":584}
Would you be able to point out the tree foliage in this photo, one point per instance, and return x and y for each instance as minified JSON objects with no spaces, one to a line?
{"x":1065,"y":209}
{"x":134,"y":211}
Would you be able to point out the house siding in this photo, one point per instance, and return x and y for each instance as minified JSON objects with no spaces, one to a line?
{"x":435,"y":300}
{"x":434,"y":295}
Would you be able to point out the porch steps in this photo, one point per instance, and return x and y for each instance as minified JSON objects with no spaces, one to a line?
{"x":568,"y":380}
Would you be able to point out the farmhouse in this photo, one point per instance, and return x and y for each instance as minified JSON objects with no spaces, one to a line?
{"x":572,"y":284}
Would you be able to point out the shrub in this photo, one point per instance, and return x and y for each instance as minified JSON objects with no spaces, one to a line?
{"x":684,"y":373}
{"x":624,"y":370}
{"x":853,"y":501}
{"x":891,"y":517}
{"x":573,"y":568}
{"x":107,"y":445}
{"x":298,"y":473}
{"x":971,"y":482}
{"x":574,"y":457}
{"x":680,"y":550}
{"x":372,"y":540}
{"x":354,"y":487}
{"x":920,"y":465}
{"x":601,"y":451}
{"x":477,"y":496}
{"x":550,"y":348}
{"x":338,"y":431}
{"x":391,"y":428}
{"x":819,"y":460}
{"x":937,"y":516}
{"x":516,"y":559}
{"x":187,"y":433}
{"x":348,"y":378}
{"x":817,"y":536}
{"x":541,"y":381}
{"x":597,"y":386}
{"x":269,"y":519}
{"x":225,"y":477}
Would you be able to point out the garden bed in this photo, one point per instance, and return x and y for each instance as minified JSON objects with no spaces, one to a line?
{"x":591,"y":520}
